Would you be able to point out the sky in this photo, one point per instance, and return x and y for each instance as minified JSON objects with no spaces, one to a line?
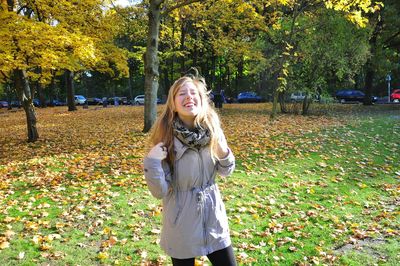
{"x":122,"y":2}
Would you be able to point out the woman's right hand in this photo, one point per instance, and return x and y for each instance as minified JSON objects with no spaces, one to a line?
{"x":159,"y":152}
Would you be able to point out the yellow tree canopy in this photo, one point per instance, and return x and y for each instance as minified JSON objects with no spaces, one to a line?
{"x":49,"y":35}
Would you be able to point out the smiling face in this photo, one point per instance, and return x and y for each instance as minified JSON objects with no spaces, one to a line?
{"x":187,"y":103}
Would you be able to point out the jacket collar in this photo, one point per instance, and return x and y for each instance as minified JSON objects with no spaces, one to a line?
{"x":179,"y":148}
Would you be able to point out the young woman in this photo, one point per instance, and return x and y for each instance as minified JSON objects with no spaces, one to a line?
{"x":189,"y":149}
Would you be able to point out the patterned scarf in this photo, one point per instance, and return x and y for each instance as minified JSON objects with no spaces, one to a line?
{"x":195,"y":138}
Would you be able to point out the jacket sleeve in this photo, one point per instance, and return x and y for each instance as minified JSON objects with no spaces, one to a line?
{"x":225,"y":166}
{"x":156,"y":177}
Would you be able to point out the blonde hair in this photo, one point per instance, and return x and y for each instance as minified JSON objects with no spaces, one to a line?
{"x":162,"y":130}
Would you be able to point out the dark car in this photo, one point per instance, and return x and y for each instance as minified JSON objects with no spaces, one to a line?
{"x":120,"y":100}
{"x":345,"y":96}
{"x":16,"y":104}
{"x":94,"y":101}
{"x":55,"y":102}
{"x":36,"y":102}
{"x":248,"y":97}
{"x":3,"y":104}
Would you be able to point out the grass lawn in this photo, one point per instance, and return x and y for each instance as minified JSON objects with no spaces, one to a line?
{"x":306,"y":190}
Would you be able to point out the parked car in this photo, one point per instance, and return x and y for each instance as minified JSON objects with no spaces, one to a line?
{"x":395,"y":96}
{"x":248,"y":97}
{"x":94,"y":101}
{"x":3,"y":104}
{"x":121,"y":100}
{"x":350,"y":96}
{"x":16,"y":104}
{"x":36,"y":102}
{"x":297,"y":96}
{"x":139,"y":100}
{"x":80,"y":99}
{"x":55,"y":102}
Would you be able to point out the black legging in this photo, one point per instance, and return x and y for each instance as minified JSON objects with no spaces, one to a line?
{"x":223,"y":257}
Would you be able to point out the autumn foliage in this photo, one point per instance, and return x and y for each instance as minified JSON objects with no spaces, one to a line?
{"x":78,"y":195}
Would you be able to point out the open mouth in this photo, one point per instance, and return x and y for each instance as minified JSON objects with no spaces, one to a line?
{"x":189,"y":104}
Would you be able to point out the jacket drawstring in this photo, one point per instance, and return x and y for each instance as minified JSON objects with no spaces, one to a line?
{"x":201,"y":194}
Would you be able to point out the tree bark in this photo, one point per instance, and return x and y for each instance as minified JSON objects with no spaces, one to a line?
{"x":151,"y":61}
{"x":213,"y":71}
{"x":370,"y":68}
{"x":69,"y":80}
{"x":130,"y":83}
{"x":53,"y":94}
{"x":306,"y":105}
{"x":182,"y":46}
{"x":239,"y":76}
{"x":24,"y":92}
{"x":284,"y":58}
{"x":151,"y":64}
{"x":42,"y":98}
{"x":282,"y":103}
{"x":171,"y":78}
{"x":274,"y":103}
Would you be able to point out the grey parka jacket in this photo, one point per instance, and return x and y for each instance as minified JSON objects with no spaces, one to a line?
{"x":194,"y":216}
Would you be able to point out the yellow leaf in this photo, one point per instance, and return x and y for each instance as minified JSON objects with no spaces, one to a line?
{"x":9,"y":233}
{"x":4,"y":245}
{"x":103,"y":255}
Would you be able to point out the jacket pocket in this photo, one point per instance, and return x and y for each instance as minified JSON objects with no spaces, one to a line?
{"x":172,"y":211}
{"x":178,"y":214}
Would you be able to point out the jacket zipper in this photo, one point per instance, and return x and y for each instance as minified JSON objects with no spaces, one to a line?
{"x":204,"y":214}
{"x":175,"y":187}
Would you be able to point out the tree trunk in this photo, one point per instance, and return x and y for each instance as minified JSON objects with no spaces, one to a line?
{"x":182,"y":46}
{"x":53,"y":94}
{"x":25,"y":95}
{"x":8,"y":93}
{"x":306,"y":105}
{"x":130,"y":83}
{"x":69,"y":80}
{"x":166,"y":80}
{"x":282,"y":103}
{"x":195,"y":50}
{"x":274,"y":104}
{"x":228,"y":77}
{"x":151,"y":63}
{"x":369,"y":80}
{"x":239,"y":76}
{"x":213,"y":71}
{"x":370,"y":69}
{"x":281,"y":76}
{"x":263,"y":84}
{"x":173,"y":55}
{"x":42,"y":98}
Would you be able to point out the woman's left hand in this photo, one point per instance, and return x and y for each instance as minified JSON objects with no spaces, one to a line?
{"x":222,"y":147}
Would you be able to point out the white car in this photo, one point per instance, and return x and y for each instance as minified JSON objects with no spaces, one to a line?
{"x":138,"y":100}
{"x":297,"y":96}
{"x":79,"y":100}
